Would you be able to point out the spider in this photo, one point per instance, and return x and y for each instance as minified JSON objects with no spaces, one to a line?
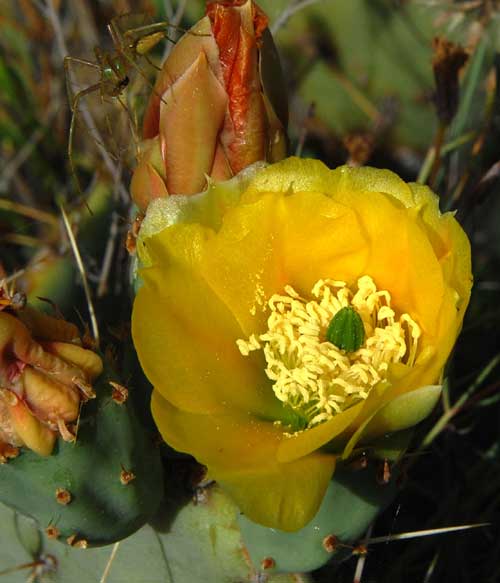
{"x":113,"y":71}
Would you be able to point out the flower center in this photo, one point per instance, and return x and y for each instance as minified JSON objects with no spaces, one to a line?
{"x":320,"y":361}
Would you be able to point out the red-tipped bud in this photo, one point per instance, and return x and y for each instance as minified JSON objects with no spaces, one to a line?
{"x":218,"y":105}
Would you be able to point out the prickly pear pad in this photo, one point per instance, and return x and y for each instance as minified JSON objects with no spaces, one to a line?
{"x":112,"y":474}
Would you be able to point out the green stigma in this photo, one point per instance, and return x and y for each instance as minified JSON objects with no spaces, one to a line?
{"x":346,"y":330}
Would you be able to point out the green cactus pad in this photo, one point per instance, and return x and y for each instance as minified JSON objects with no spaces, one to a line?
{"x":102,"y":509}
{"x":198,"y":541}
{"x":352,"y":501}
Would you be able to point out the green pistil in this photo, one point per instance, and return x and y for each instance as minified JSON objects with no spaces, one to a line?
{"x":346,"y":330}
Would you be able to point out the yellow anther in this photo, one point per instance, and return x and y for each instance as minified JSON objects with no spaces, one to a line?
{"x":312,"y":375}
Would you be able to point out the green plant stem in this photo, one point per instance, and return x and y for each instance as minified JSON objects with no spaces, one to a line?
{"x":452,"y":411}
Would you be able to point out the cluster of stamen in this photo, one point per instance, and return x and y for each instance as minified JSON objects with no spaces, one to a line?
{"x":313,"y":376}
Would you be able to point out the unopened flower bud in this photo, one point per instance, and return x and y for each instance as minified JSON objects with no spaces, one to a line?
{"x":218,"y":105}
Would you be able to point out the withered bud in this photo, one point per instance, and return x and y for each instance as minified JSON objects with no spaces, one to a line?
{"x":360,"y":147}
{"x":447,"y":61}
{"x":45,"y":375}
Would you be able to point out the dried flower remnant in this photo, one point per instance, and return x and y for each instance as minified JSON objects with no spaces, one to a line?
{"x":45,"y":375}
{"x":447,"y":62}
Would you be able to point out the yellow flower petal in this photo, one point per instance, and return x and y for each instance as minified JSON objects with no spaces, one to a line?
{"x":247,"y":275}
{"x":450,"y":242}
{"x":240,"y":453}
{"x":228,"y":440}
{"x":284,"y":496}
{"x":186,"y":337}
{"x":279,"y":240}
{"x":306,"y":442}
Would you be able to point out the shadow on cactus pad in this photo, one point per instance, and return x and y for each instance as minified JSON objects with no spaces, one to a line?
{"x":98,"y":490}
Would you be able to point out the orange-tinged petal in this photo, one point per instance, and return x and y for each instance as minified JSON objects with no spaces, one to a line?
{"x":49,"y":399}
{"x":240,"y":452}
{"x":192,"y":112}
{"x":87,"y":361}
{"x":183,"y":55}
{"x":190,"y":353}
{"x":237,"y":31}
{"x":34,"y":435}
{"x":245,"y":137}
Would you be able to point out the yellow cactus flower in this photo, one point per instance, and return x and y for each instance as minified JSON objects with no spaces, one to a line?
{"x":291,"y":313}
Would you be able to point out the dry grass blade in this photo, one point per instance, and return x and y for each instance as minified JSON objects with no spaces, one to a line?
{"x":289,"y":11}
{"x":360,"y":564}
{"x":112,"y":556}
{"x":420,"y":533}
{"x":81,"y":269}
{"x":27,"y":211}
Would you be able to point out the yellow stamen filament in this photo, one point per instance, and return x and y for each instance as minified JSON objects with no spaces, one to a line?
{"x":313,"y":376}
